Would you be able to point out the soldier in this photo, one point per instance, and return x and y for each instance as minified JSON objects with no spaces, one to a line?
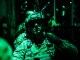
{"x":39,"y":43}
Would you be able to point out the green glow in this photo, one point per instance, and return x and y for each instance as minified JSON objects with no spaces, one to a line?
{"x":70,"y":2}
{"x":54,"y":9}
{"x":53,"y":23}
{"x":5,"y":49}
{"x":57,"y":9}
{"x":63,"y":13}
{"x":63,"y":6}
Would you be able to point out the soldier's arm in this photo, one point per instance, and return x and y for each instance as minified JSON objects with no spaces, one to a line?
{"x":19,"y":52}
{"x":63,"y":45}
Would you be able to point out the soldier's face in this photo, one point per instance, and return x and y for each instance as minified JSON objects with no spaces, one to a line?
{"x":37,"y":29}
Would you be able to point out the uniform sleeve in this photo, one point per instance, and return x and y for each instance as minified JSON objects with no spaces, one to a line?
{"x":67,"y":51}
{"x":64,"y":47}
{"x":20,"y":39}
{"x":19,"y":52}
{"x":67,"y":46}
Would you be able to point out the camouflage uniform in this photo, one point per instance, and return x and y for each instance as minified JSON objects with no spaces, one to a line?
{"x":27,"y":50}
